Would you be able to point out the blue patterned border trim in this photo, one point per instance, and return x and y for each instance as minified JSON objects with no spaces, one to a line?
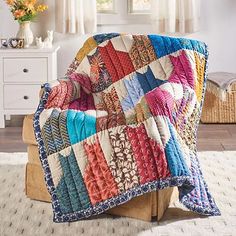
{"x":214,"y":210}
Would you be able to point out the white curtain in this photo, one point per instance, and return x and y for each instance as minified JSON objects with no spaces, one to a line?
{"x":76,"y":16}
{"x":171,"y":16}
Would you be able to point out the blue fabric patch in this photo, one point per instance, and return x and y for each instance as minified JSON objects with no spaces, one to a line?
{"x":99,"y":38}
{"x":69,"y":186}
{"x":166,"y":45}
{"x":143,"y":80}
{"x":174,"y":155}
{"x":148,"y":81}
{"x":71,"y":191}
{"x":63,"y":196}
{"x":134,"y":94}
{"x":79,"y":181}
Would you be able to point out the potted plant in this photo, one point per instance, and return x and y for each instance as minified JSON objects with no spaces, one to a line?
{"x":25,"y":11}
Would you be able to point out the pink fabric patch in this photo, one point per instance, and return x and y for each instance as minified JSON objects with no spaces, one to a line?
{"x":83,"y":80}
{"x":160,"y":102}
{"x":182,"y":73}
{"x":83,"y":103}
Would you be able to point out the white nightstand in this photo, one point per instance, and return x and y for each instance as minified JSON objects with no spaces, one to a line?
{"x":22,"y":72}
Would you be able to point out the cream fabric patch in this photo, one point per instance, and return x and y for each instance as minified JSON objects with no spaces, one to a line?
{"x":65,"y":152}
{"x":152,"y":130}
{"x":163,"y":129}
{"x":44,"y":116}
{"x":119,"y":44}
{"x":105,"y":144}
{"x":81,"y":156}
{"x":55,"y":167}
{"x":176,"y":90}
{"x":128,"y":41}
{"x":166,"y":66}
{"x":84,"y":67}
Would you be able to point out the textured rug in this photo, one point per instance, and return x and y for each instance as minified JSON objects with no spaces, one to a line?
{"x":22,"y":216}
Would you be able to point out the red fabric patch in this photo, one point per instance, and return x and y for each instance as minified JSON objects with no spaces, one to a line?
{"x":126,"y":62}
{"x":118,"y":63}
{"x":98,"y":178}
{"x":160,"y":159}
{"x":60,"y":95}
{"x":150,"y":158}
{"x":108,"y":63}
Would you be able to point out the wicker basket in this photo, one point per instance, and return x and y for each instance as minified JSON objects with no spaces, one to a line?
{"x":218,"y":111}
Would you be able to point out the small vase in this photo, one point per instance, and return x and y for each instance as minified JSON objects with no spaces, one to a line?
{"x":25,"y":33}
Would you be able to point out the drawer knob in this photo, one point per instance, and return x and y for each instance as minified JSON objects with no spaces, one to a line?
{"x":25,"y":70}
{"x":26,"y":97}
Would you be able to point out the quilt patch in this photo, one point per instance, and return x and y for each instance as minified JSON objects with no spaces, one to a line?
{"x":123,"y":123}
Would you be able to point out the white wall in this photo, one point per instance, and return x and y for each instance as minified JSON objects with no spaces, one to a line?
{"x":218,"y":29}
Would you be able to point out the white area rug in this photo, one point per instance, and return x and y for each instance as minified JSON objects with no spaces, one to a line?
{"x":22,"y":216}
{"x":15,"y":158}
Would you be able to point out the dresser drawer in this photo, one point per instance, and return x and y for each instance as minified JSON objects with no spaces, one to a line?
{"x":21,"y":96}
{"x":25,"y":70}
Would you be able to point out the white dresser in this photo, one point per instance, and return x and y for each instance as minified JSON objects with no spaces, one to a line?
{"x":22,"y":72}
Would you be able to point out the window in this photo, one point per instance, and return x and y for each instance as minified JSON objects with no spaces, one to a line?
{"x":139,"y":6}
{"x":123,"y":11}
{"x":105,"y":6}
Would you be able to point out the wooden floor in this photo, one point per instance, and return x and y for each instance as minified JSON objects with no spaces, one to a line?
{"x":210,"y":137}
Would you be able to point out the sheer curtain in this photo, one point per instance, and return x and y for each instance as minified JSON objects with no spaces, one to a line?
{"x":76,"y":16}
{"x":171,"y":16}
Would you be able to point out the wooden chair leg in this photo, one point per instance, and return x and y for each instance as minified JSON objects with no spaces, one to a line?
{"x":138,"y":208}
{"x":154,"y":203}
{"x":164,"y":198}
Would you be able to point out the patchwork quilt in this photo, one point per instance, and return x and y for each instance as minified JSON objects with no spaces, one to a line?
{"x":123,"y":123}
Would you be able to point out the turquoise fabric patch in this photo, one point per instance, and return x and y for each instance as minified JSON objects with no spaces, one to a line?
{"x":80,"y":126}
{"x":71,"y":127}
